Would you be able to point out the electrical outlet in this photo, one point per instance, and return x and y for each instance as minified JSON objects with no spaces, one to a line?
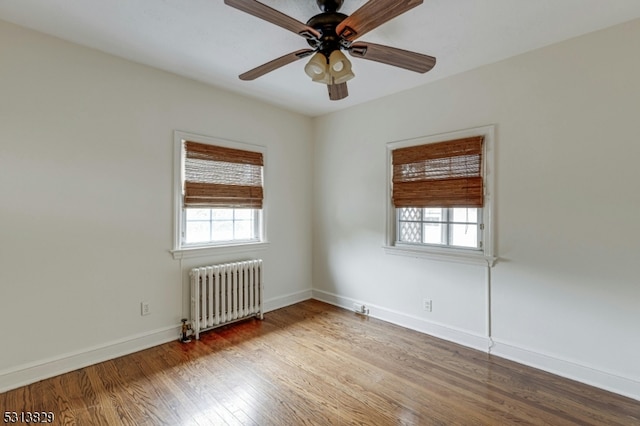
{"x":145,"y":309}
{"x":427,"y":304}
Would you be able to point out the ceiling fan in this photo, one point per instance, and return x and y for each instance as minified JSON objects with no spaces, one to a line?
{"x":330,"y":32}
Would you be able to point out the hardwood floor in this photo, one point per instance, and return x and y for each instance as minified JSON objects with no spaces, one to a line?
{"x":315,"y":364}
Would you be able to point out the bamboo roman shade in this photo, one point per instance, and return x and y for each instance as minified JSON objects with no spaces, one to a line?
{"x":443,"y":174}
{"x":216,"y":176}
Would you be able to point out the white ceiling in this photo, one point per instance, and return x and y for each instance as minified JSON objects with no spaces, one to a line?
{"x":214,"y":43}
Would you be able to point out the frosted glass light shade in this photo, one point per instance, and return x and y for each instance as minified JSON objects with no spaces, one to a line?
{"x":318,"y":69}
{"x":339,"y":67}
{"x":333,"y":70}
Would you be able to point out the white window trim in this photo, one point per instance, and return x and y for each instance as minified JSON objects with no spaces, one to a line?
{"x":186,"y":253}
{"x":179,"y":251}
{"x":484,"y":256}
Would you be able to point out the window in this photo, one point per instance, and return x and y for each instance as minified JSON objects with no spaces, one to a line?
{"x":221,"y":224}
{"x":440,"y":196}
{"x":219,"y":194}
{"x":454,"y":227}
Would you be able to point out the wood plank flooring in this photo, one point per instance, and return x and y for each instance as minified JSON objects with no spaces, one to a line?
{"x":315,"y":364}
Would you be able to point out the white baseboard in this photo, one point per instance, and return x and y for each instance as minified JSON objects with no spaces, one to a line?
{"x":451,"y":334}
{"x":286,"y":300}
{"x":33,"y":372}
{"x":549,"y":363}
{"x":568,"y":369}
{"x":25,"y":374}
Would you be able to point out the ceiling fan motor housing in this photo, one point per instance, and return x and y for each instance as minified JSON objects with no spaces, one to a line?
{"x":326,"y":24}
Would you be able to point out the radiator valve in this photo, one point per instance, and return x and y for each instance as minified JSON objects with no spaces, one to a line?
{"x":186,"y":328}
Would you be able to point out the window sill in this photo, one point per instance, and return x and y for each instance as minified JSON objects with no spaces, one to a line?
{"x":445,"y":255}
{"x":184,"y":253}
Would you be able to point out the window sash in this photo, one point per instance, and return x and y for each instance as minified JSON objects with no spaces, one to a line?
{"x":447,"y":228}
{"x":211,"y":221}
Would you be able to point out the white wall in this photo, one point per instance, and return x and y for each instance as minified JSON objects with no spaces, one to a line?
{"x":86,"y":157}
{"x":566,"y":288}
{"x":86,"y":211}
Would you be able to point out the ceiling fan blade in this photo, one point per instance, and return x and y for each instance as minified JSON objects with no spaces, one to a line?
{"x":393,"y":56}
{"x":262,"y":11}
{"x":371,"y":15}
{"x":275,"y":64}
{"x":337,"y":91}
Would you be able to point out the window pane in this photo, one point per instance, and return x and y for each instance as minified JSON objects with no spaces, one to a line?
{"x":244,"y":214}
{"x":198,"y":214}
{"x":410,"y":213}
{"x":434,"y":233}
{"x":198,"y":232}
{"x":243,"y":230}
{"x":222,"y":214}
{"x":433,"y":215}
{"x":410,"y":232}
{"x":464,"y":235}
{"x":465,"y":215}
{"x":222,"y":230}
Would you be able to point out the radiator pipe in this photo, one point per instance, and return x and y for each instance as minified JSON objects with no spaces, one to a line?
{"x":186,"y":328}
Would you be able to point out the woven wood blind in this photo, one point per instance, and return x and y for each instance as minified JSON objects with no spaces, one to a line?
{"x":443,"y":174}
{"x":215,"y":176}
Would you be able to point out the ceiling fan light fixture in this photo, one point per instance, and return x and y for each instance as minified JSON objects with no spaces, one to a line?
{"x":318,"y":69}
{"x":340,"y":67}
{"x":331,"y":31}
